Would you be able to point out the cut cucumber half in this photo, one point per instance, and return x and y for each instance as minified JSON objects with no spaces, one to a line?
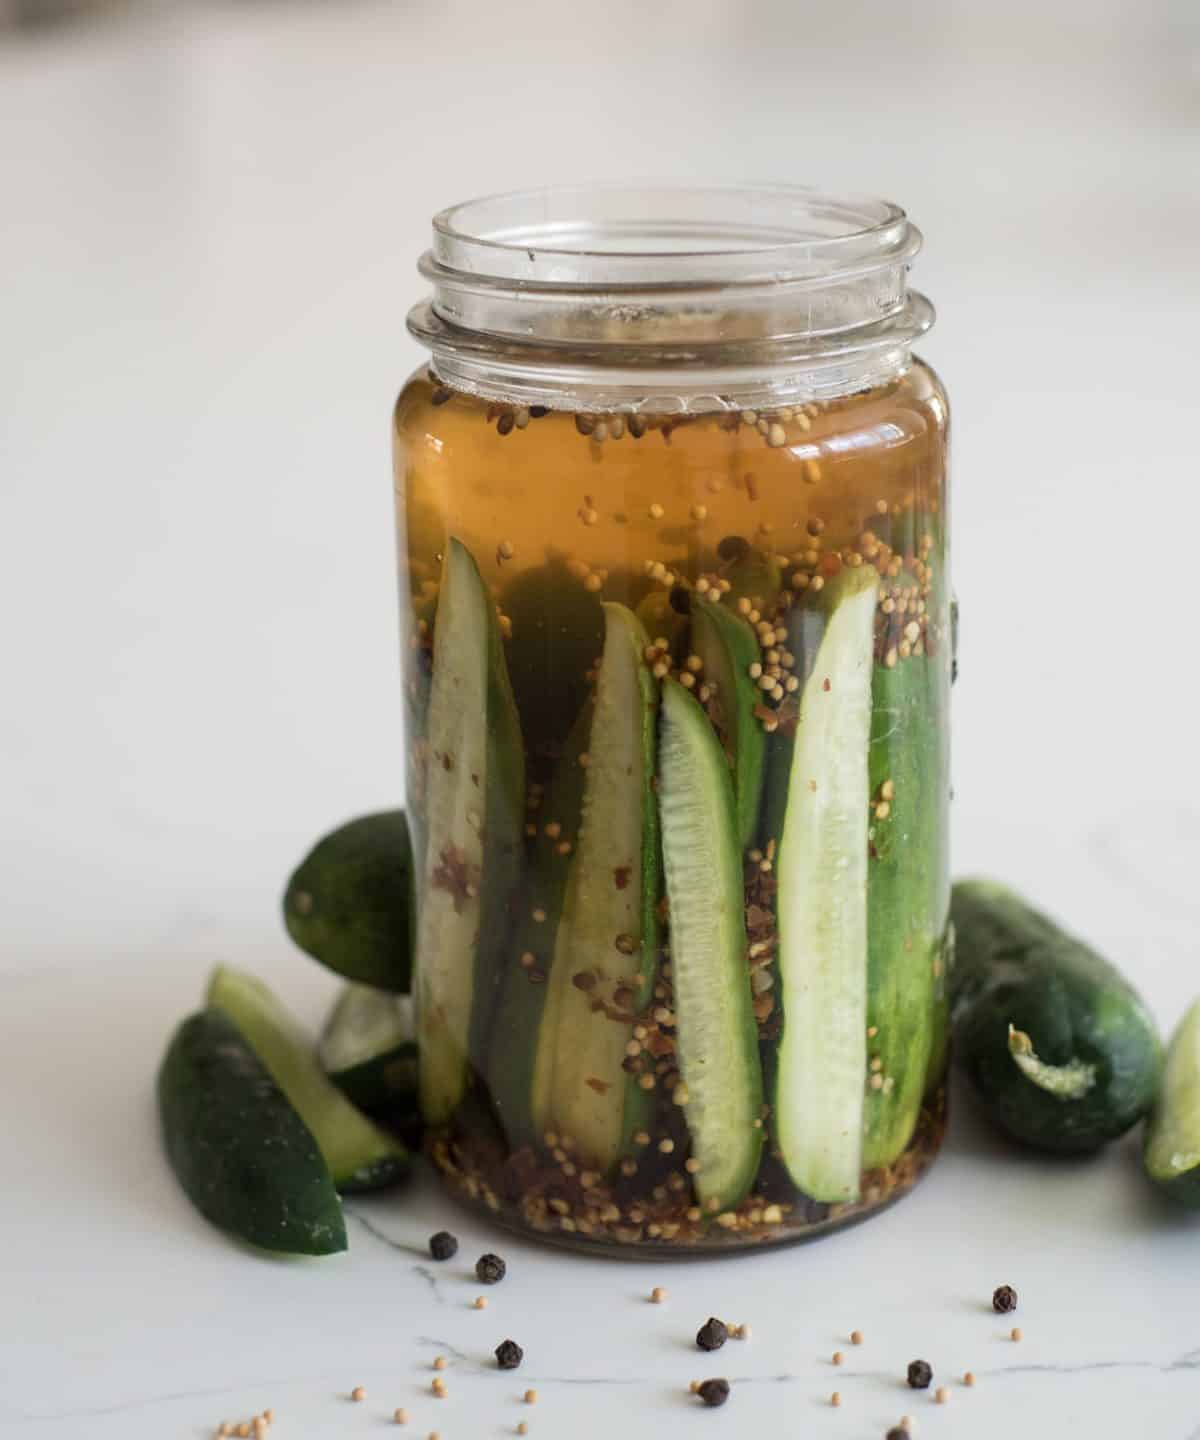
{"x":359,"y":1154}
{"x":1172,"y":1150}
{"x":716,"y":1037}
{"x":474,"y":799}
{"x":607,"y":941}
{"x":822,"y":906}
{"x":525,"y":1004}
{"x":728,"y":648}
{"x":245,"y":1158}
{"x":368,"y":1048}
{"x":349,"y":903}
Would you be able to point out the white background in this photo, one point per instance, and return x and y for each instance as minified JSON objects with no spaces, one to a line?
{"x":209,"y":221}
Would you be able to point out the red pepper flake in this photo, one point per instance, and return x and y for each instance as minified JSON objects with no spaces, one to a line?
{"x":752,"y":486}
{"x":584,"y":980}
{"x":454,"y":875}
{"x":826,"y":686}
{"x":601,"y":1087}
{"x":621,"y":876}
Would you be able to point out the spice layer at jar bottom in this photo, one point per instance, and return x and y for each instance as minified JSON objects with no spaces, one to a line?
{"x":677,"y":698}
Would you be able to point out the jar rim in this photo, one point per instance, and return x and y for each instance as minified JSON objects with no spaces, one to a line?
{"x":640,"y":287}
{"x":597,"y":236}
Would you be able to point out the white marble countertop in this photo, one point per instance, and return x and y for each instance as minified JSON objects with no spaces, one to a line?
{"x":209,"y":222}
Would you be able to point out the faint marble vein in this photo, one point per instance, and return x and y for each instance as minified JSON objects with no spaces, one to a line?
{"x":401,"y":1248}
{"x":443,"y":1347}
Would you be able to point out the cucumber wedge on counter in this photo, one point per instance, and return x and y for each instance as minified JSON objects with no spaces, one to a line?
{"x":359,"y":1154}
{"x":608,"y":931}
{"x":821,"y":867}
{"x":522,"y":1008}
{"x":1172,"y":1149}
{"x":474,"y":799}
{"x":728,"y":647}
{"x":368,"y":1049}
{"x":716,"y":1038}
{"x":907,"y":896}
{"x":244,"y":1157}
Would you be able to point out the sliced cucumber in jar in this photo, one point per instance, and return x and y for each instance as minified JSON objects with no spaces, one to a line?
{"x":606,"y":948}
{"x":908,"y":898}
{"x":524,"y":1016}
{"x":474,"y":800}
{"x":716,"y":1037}
{"x":821,"y":867}
{"x":728,"y":648}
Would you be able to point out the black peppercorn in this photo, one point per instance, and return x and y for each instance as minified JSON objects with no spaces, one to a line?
{"x":920,"y":1373}
{"x":490,"y":1269}
{"x":443,"y":1245}
{"x":1004,"y":1300}
{"x":713,"y":1392}
{"x":712,"y":1334}
{"x":897,"y":1432}
{"x":509,"y":1354}
{"x":732,"y":548}
{"x":681,"y":600}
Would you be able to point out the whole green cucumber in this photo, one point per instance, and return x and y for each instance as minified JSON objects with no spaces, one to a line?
{"x":1059,"y":1048}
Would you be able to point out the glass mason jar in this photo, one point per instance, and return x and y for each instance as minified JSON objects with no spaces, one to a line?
{"x":672,"y":533}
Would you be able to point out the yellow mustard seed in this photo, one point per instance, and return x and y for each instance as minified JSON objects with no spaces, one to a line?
{"x":835,"y":1399}
{"x":838,"y":1357}
{"x":969,"y":1378}
{"x":439,"y":1387}
{"x":522,"y":1428}
{"x":400,"y":1416}
{"x":1017,"y":1333}
{"x":358,"y":1394}
{"x":941,"y":1395}
{"x":440,"y":1363}
{"x":242,"y":1431}
{"x":260,"y":1427}
{"x":856,"y":1337}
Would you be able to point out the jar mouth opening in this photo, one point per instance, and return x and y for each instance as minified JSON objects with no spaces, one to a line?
{"x":600,"y":236}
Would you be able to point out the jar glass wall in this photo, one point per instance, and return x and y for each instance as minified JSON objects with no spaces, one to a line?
{"x":677,"y":660}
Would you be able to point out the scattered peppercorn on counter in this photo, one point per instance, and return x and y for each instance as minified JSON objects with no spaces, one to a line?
{"x":676,"y":695}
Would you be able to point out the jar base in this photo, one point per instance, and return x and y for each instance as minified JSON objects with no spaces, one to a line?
{"x":514,"y":1193}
